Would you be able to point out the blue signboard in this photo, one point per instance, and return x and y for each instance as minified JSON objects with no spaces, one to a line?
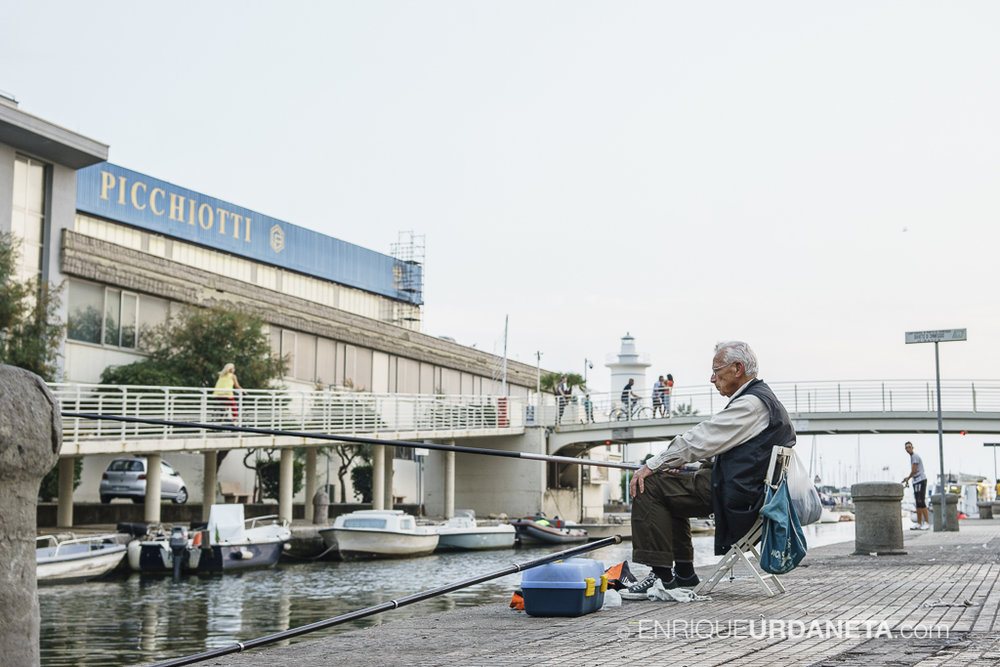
{"x":126,"y":196}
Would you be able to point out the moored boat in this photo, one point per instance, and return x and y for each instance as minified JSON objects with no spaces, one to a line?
{"x":76,"y":559}
{"x":702,"y":525}
{"x":229,"y":542}
{"x":379,"y":534}
{"x":544,"y":531}
{"x":463,"y":533}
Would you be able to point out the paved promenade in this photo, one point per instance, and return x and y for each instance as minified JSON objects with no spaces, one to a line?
{"x":936,"y":605}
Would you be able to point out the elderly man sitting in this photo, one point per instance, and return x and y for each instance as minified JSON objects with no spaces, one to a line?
{"x":739,"y":440}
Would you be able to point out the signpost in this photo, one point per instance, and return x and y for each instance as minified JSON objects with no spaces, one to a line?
{"x":939,"y":336}
{"x":994,"y":445}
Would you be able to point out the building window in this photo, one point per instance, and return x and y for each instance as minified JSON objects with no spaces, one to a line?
{"x":127,"y":317}
{"x":28,"y":216}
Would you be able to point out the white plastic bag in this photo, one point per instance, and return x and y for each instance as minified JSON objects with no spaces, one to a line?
{"x":805,"y":497}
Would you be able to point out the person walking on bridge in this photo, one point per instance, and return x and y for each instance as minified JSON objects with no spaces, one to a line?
{"x":738,"y":440}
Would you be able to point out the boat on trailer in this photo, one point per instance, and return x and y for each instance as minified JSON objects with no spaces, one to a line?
{"x":76,"y":559}
{"x":379,"y":534}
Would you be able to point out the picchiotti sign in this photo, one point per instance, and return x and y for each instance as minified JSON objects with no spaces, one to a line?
{"x":112,"y":192}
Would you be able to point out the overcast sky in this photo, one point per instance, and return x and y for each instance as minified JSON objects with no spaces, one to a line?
{"x":815,"y":178}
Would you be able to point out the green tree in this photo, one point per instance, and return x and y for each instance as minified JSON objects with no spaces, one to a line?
{"x":361,"y":478}
{"x":684,"y":410}
{"x":190,"y":349}
{"x":550,"y":380}
{"x":30,"y":332}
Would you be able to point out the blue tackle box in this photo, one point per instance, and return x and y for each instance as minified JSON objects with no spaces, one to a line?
{"x":571,"y":587}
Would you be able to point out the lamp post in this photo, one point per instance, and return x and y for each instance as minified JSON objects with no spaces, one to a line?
{"x":938,"y":336}
{"x":587,"y":363}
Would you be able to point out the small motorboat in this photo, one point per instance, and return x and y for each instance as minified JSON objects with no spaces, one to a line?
{"x":76,"y":559}
{"x":229,"y":542}
{"x":235,"y":543}
{"x":539,"y":530}
{"x":379,"y":534}
{"x":462,"y":533}
{"x":702,"y":526}
{"x":828,"y":516}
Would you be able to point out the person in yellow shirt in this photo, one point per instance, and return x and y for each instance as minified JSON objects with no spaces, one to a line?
{"x":224,"y":390}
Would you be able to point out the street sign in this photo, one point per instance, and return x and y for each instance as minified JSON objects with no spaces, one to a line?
{"x":936,"y":336}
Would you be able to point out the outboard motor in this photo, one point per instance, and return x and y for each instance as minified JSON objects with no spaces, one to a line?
{"x":178,"y":547}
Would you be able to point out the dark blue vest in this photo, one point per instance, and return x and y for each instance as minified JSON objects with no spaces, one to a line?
{"x":738,"y":474}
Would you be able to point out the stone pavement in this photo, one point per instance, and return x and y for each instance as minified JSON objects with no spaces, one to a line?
{"x":936,"y":605}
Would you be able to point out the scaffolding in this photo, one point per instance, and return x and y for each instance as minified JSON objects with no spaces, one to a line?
{"x":408,"y":276}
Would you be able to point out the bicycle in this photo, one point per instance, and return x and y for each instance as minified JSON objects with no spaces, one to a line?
{"x":638,"y":411}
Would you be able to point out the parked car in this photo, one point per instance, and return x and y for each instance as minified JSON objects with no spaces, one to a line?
{"x":126,"y":478}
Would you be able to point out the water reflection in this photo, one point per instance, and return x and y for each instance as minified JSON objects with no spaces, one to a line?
{"x":132,"y":619}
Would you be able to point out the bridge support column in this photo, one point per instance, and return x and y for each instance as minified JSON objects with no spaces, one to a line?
{"x":378,"y":478}
{"x":389,"y":453}
{"x":209,"y":480}
{"x":449,"y":482}
{"x":153,"y":488}
{"x":64,"y":512}
{"x":286,"y":484}
{"x":310,"y":482}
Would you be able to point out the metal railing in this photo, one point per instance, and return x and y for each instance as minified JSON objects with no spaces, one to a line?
{"x":360,"y":413}
{"x":347,"y":413}
{"x":797,"y":397}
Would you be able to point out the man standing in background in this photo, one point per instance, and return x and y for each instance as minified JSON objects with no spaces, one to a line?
{"x":919,"y":488}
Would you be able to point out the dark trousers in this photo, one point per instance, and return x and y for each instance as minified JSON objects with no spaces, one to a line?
{"x":661,"y":532}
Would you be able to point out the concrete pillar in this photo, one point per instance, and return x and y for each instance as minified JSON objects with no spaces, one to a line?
{"x":153,"y":488}
{"x":310,"y":482}
{"x":878,"y":520}
{"x":389,"y":453}
{"x":996,"y":508}
{"x":449,"y":483}
{"x":30,"y":439}
{"x":286,"y":484}
{"x":378,"y":478}
{"x":64,"y":512}
{"x":210,"y":480}
{"x":985,"y":509}
{"x":951,"y":501}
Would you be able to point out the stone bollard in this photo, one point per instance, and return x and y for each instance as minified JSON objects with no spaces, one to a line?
{"x":321,"y":508}
{"x":952,"y":509}
{"x":996,"y":508}
{"x":30,"y":438}
{"x":878,"y":519}
{"x":985,"y":509}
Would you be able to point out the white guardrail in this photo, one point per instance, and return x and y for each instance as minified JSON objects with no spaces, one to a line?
{"x":358,"y":413}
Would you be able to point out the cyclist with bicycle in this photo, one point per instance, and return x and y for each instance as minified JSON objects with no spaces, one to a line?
{"x":629,"y":397}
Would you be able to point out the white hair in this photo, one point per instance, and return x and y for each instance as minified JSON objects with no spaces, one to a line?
{"x":736,"y":350}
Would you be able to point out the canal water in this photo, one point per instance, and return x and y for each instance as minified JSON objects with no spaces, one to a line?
{"x":130,"y":619}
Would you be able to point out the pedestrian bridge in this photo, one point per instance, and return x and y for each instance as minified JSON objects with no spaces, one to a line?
{"x":586,"y":421}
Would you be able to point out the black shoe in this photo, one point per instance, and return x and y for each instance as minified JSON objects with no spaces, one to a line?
{"x":637,"y":591}
{"x":683,"y":582}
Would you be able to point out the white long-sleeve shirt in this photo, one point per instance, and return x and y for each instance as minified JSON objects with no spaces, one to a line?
{"x":742,"y":419}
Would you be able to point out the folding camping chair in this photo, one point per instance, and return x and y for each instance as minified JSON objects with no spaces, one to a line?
{"x":746,"y":547}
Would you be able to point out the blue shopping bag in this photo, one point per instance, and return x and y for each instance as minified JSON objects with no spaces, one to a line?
{"x":783,"y":545}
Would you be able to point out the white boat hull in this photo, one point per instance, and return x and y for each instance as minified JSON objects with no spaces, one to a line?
{"x":357,"y":543}
{"x":74,"y":567}
{"x":486,"y":537}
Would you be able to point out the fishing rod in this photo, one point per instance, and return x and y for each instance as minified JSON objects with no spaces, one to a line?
{"x":359,"y":440}
{"x":386,"y":606}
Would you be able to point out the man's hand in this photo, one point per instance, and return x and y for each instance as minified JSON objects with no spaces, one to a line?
{"x":636,"y":484}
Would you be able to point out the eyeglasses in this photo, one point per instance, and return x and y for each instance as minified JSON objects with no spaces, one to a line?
{"x":715,"y":371}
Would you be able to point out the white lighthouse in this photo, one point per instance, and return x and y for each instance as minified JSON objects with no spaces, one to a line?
{"x":629,"y":365}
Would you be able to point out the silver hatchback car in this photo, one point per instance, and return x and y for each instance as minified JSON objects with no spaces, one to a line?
{"x":126,"y":478}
